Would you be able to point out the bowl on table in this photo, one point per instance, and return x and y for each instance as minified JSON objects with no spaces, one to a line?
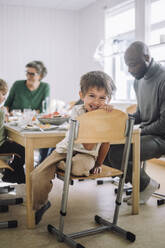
{"x":53,"y":120}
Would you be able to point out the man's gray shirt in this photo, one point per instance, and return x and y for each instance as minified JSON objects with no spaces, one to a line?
{"x":150,"y":93}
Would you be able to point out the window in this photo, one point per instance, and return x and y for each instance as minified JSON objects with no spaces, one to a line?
{"x":119,"y":23}
{"x":119,"y":33}
{"x":157,"y":6}
{"x":157,"y":35}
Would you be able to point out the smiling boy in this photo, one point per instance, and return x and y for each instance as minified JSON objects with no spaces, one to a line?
{"x":96,"y":89}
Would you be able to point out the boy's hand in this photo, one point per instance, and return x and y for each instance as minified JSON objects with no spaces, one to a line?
{"x":96,"y":169}
{"x":107,"y":107}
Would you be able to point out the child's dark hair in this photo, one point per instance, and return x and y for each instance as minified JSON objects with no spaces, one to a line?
{"x":3,"y":86}
{"x":98,"y":79}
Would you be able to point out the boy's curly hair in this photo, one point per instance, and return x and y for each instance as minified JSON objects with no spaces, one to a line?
{"x":3,"y":86}
{"x":98,"y":79}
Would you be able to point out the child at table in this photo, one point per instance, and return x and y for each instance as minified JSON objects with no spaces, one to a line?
{"x":8,"y":146}
{"x":96,"y":88}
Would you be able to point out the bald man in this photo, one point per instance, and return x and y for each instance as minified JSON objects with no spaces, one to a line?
{"x":149,"y":86}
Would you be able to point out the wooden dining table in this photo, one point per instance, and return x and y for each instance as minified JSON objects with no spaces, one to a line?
{"x":32,"y":140}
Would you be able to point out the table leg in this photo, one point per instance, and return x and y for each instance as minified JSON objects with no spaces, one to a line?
{"x":29,"y":161}
{"x":136,"y":174}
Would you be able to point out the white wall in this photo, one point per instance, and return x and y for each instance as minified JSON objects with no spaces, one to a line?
{"x":64,"y":40}
{"x":29,"y":33}
{"x":92,"y":31}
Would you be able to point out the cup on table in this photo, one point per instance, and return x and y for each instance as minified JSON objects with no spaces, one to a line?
{"x":28,"y":115}
{"x":45,"y":105}
{"x":16,"y":114}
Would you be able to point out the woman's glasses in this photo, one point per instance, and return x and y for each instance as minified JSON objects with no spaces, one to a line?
{"x":31,"y":73}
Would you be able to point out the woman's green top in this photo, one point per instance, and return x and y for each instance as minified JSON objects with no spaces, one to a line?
{"x":20,"y":97}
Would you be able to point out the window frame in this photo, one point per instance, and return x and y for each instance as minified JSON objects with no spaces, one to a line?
{"x":130,"y":36}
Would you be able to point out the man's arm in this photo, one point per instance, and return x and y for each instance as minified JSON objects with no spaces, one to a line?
{"x":136,"y":115}
{"x":157,"y":127}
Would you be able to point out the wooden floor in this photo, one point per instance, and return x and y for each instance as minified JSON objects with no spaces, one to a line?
{"x":86,"y":200}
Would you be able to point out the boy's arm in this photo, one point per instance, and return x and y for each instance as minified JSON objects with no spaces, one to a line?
{"x":10,"y":97}
{"x":104,"y":148}
{"x":89,"y":146}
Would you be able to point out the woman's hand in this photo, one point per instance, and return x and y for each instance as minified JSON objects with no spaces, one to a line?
{"x":107,"y":107}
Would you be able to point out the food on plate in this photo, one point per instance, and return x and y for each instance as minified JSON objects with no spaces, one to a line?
{"x":12,"y":118}
{"x":43,"y":126}
{"x":34,"y":118}
{"x":52,"y":115}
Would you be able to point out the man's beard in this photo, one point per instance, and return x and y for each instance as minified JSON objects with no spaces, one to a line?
{"x":141,"y":73}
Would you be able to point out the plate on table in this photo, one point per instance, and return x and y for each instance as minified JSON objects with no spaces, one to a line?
{"x":39,"y":127}
{"x":58,"y":120}
{"x":14,"y":123}
{"x":12,"y":118}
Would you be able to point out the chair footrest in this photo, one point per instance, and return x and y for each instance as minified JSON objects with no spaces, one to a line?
{"x":4,"y":209}
{"x":9,"y":224}
{"x":105,"y":225}
{"x":6,"y":189}
{"x":127,"y":190}
{"x":12,"y":201}
{"x":127,"y":235}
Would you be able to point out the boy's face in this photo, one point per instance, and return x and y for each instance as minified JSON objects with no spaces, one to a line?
{"x":94,"y":98}
{"x":2,"y":96}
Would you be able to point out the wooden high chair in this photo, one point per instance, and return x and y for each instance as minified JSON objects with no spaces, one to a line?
{"x":97,"y":127}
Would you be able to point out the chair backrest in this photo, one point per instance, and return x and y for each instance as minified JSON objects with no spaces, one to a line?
{"x":131,"y":109}
{"x":100,"y":126}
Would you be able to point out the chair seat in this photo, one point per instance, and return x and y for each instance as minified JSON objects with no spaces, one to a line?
{"x":106,"y":172}
{"x":4,"y":165}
